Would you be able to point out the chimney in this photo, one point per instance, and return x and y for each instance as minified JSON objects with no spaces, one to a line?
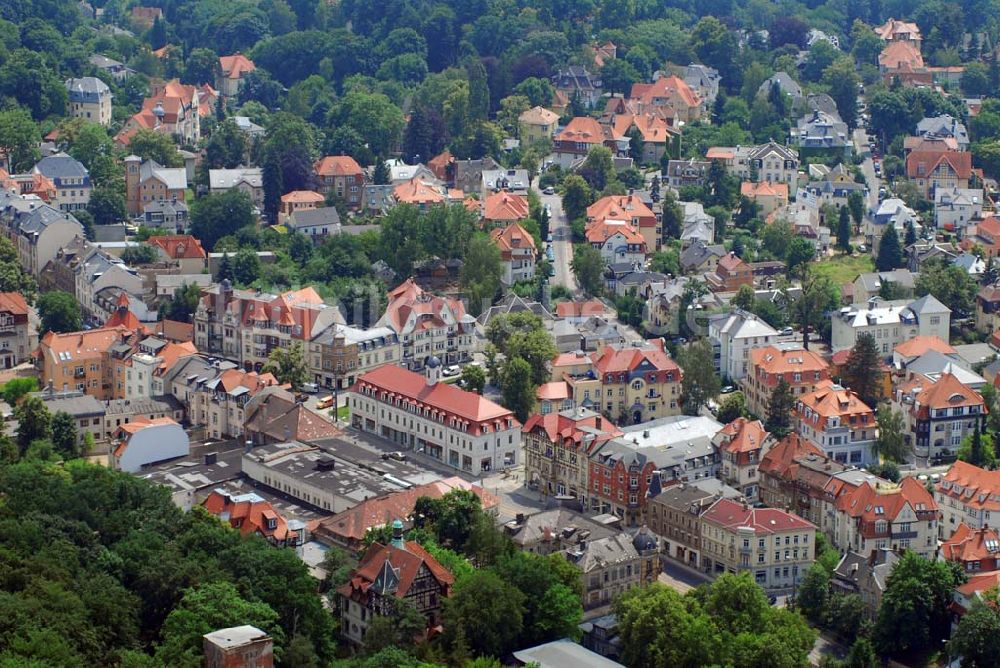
{"x":597,"y":422}
{"x":519,"y":519}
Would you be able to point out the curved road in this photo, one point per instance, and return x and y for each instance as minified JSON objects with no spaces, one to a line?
{"x":562,"y":240}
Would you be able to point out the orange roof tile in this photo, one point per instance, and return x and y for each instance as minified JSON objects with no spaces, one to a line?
{"x":337,"y":165}
{"x":582,"y":130}
{"x":968,"y":544}
{"x":248,"y":515}
{"x":512,"y":237}
{"x":505,"y":205}
{"x":947,"y":392}
{"x":774,"y":360}
{"x":899,"y":55}
{"x":615,"y":360}
{"x":599,"y":232}
{"x":959,"y":161}
{"x":620,"y":207}
{"x":764,"y":189}
{"x":781,"y":460}
{"x":235,"y":66}
{"x":179,"y":246}
{"x":139,"y":423}
{"x":885,"y":501}
{"x":538,"y":116}
{"x":972,"y":486}
{"x":406,"y":564}
{"x":828,"y":401}
{"x":743,"y":435}
{"x":672,"y":88}
{"x":580,"y":309}
{"x":418,"y":191}
{"x":13,"y":303}
{"x":553,"y":391}
{"x":302,"y":197}
{"x":731,"y":514}
{"x":919,"y":345}
{"x":75,"y":346}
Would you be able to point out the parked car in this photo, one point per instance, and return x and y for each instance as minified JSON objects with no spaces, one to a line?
{"x":787,"y":331}
{"x":728,"y":389}
{"x":452,"y":370}
{"x":549,"y":191}
{"x":325,"y":402}
{"x":310,"y":388}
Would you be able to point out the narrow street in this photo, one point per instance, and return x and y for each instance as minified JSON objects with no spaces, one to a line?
{"x":562,"y":239}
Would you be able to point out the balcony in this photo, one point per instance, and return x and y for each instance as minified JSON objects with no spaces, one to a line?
{"x":904,"y":535}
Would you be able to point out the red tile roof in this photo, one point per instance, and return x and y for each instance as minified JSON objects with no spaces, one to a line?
{"x":505,"y":206}
{"x":600,"y":231}
{"x":616,"y":360}
{"x":672,"y":88}
{"x":337,"y":165}
{"x":302,"y":196}
{"x":621,"y":207}
{"x":561,"y":428}
{"x":968,"y":544}
{"x":582,"y":130}
{"x":554,"y":391}
{"x":411,"y":386}
{"x":885,"y":501}
{"x":235,"y":66}
{"x":971,"y":486}
{"x":829,"y":401}
{"x":405,"y":562}
{"x":764,"y":189}
{"x":408,"y":298}
{"x":732,"y":514}
{"x":13,"y":303}
{"x":179,"y":246}
{"x":959,"y":161}
{"x":919,"y":345}
{"x":947,"y":392}
{"x":123,"y":316}
{"x":512,"y":237}
{"x":248,"y":514}
{"x":743,"y":435}
{"x":900,"y":55}
{"x":781,"y":460}
{"x":774,"y":360}
{"x":417,"y":191}
{"x":580,"y":309}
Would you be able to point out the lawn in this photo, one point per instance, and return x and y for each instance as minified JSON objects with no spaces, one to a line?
{"x":343,"y":413}
{"x":844,"y":268}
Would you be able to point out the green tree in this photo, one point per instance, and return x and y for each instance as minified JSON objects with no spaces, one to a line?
{"x":246,"y":266}
{"x":777,"y":237}
{"x":890,"y":254}
{"x":744,"y":298}
{"x":890,"y":443}
{"x":813,"y":594}
{"x":801,"y":252}
{"x":576,"y":197}
{"x":588,"y":267}
{"x":19,"y":138}
{"x":59,"y":312}
{"x":107,"y":205}
{"x":34,"y":422}
{"x":474,"y":378}
{"x":976,"y":80}
{"x":779,"y":410}
{"x":184,"y":303}
{"x":978,"y":449}
{"x":856,"y":203}
{"x":552,"y":608}
{"x":700,"y":382}
{"x":15,"y":388}
{"x":863,"y":370}
{"x":64,"y":438}
{"x":517,"y":389}
{"x":914,"y":614}
{"x":977,"y":638}
{"x":844,"y":230}
{"x":618,"y":75}
{"x":221,"y":214}
{"x":841,"y":79}
{"x":598,"y":170}
{"x":949,"y":284}
{"x":538,"y":91}
{"x":226,"y":148}
{"x":482,"y":271}
{"x":156,"y":146}
{"x":397,"y":629}
{"x":288,"y":365}
{"x":732,"y":407}
{"x":488,"y":611}
{"x":206,"y":608}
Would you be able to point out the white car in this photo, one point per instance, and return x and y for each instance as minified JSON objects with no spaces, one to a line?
{"x":452,"y":370}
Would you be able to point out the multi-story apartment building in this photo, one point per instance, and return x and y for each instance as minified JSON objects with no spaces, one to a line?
{"x":733,"y":336}
{"x":17,"y":338}
{"x":776,"y":546}
{"x":630,"y":384}
{"x":884,"y":515}
{"x":147,"y":182}
{"x":173,"y":108}
{"x":938,"y":415}
{"x":970,"y":495}
{"x":248,"y":180}
{"x":82,"y":361}
{"x":974,"y":550}
{"x":611,"y":566}
{"x":581,"y":134}
{"x":37,"y":230}
{"x":675,"y":516}
{"x":731,"y":273}
{"x":517,"y":253}
{"x":343,"y":176}
{"x":461,"y":429}
{"x":558,"y":447}
{"x":627,"y":470}
{"x":890,"y":323}
{"x":617,"y":241}
{"x":741,"y":444}
{"x":429,"y":326}
{"x":771,"y":163}
{"x":801,"y":369}
{"x":340,"y":353}
{"x":838,"y":422}
{"x":90,"y":99}
{"x":631,"y":209}
{"x":399,"y":571}
{"x":245,"y":326}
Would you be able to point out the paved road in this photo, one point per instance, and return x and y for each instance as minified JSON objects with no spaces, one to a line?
{"x":562,"y":240}
{"x":867,"y":167}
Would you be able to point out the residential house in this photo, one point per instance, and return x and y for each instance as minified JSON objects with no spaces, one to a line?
{"x":317,"y":224}
{"x":836,"y":187}
{"x":801,"y":369}
{"x":902,"y":60}
{"x":913,"y":349}
{"x":944,"y":126}
{"x":731,"y":273}
{"x":71,"y":179}
{"x":37,"y":231}
{"x":654,"y":132}
{"x":537,"y":124}
{"x":577,"y":81}
{"x":229,"y":76}
{"x":890,"y":322}
{"x":617,"y":241}
{"x":967,"y":495}
{"x":172,"y":217}
{"x":938,"y":415}
{"x":838,"y":421}
{"x":697,"y":226}
{"x":669,"y":96}
{"x":869,"y":285}
{"x":895,"y":30}
{"x":512,"y":180}
{"x":865,"y":576}
{"x":461,"y":429}
{"x":340,"y":354}
{"x":343,"y":176}
{"x":172,"y":108}
{"x":249,"y":180}
{"x":776,"y":546}
{"x":611,"y":566}
{"x":767,"y":196}
{"x":147,"y":182}
{"x":733,"y":336}
{"x":115,"y":69}
{"x":17,"y":336}
{"x":399,"y":571}
{"x":90,"y":99}
{"x":955,"y":209}
{"x":884,"y":515}
{"x":551,"y":531}
{"x":702,"y":258}
{"x":631,"y":209}
{"x":143,"y":442}
{"x":184,"y":249}
{"x":466,"y":176}
{"x":741,"y":444}
{"x":785,"y":83}
{"x":688,"y":172}
{"x":770,"y":162}
{"x":704,"y":82}
{"x":988,"y":308}
{"x":932,"y":170}
{"x":252,"y":515}
{"x":822,"y":134}
{"x":675,"y":516}
{"x":238,"y":647}
{"x":81,"y":360}
{"x":274,"y":415}
{"x":974,"y":550}
{"x":517,"y":253}
{"x":504,"y":208}
{"x":429,"y":326}
{"x":573,"y":142}
{"x":298,"y":200}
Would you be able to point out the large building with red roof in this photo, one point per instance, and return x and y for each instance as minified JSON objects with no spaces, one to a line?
{"x":837,"y":421}
{"x":232,"y":70}
{"x":968,"y":494}
{"x":172,"y":108}
{"x":252,"y":515}
{"x":938,"y":414}
{"x":461,"y":429}
{"x":775,"y":546}
{"x":517,"y":253}
{"x":670,"y":96}
{"x":343,"y":176}
{"x":399,"y":571}
{"x":16,"y":342}
{"x":741,"y":445}
{"x":573,"y":142}
{"x":558,"y":446}
{"x":801,"y":369}
{"x":631,"y":209}
{"x":974,"y":550}
{"x":932,"y":170}
{"x":884,"y":515}
{"x":428,"y":325}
